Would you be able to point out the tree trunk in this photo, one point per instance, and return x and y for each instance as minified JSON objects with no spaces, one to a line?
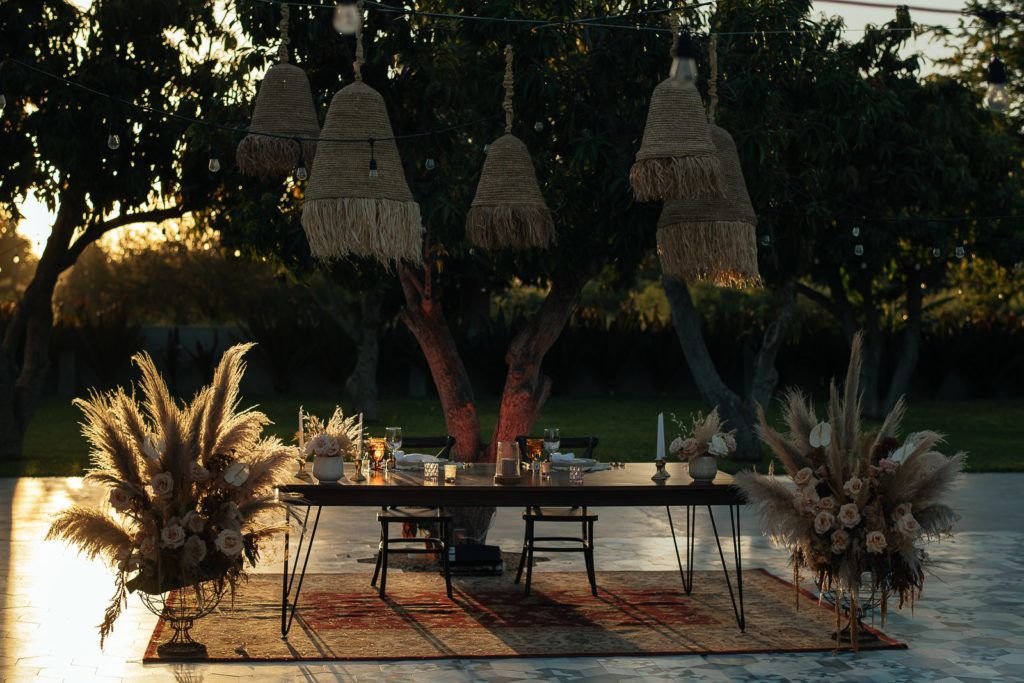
{"x":26,"y":344}
{"x":361,"y":384}
{"x":526,"y":386}
{"x":910,"y":349}
{"x":424,"y":317}
{"x":740,"y":412}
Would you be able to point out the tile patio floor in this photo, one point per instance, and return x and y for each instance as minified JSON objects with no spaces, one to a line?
{"x":968,"y":627}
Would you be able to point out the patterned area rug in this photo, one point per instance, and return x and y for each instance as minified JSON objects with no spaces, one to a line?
{"x":635,"y":613}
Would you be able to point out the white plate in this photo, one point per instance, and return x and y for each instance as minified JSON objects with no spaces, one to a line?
{"x":564,"y":464}
{"x":418,"y":465}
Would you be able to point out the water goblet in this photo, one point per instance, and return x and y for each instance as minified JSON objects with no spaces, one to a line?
{"x":552,"y":439}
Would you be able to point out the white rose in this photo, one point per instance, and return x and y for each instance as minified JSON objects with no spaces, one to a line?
{"x":908,"y":526}
{"x":888,"y":465}
{"x":803,"y":477}
{"x":840,"y":541}
{"x":849,"y":515}
{"x":198,"y":473}
{"x":153,"y":446}
{"x":810,"y":500}
{"x":229,"y":542}
{"x":730,"y":442}
{"x":147,"y":546}
{"x":717,"y":446}
{"x":195,"y":550}
{"x":236,"y":473}
{"x":828,"y":503}
{"x":120,"y":499}
{"x":875,"y":542}
{"x":194,"y":522}
{"x":853,"y":487}
{"x":902,"y":510}
{"x":676,"y":445}
{"x":162,"y":484}
{"x":824,"y":522}
{"x":172,"y":536}
{"x":821,"y":435}
{"x":320,"y":444}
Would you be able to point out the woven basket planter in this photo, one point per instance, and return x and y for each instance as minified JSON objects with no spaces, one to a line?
{"x":677,"y":157}
{"x":284,"y":107}
{"x":348,"y":213}
{"x":508,"y":211}
{"x":713,"y":238}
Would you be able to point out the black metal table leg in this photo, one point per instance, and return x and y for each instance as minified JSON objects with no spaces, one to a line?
{"x":737,"y":597}
{"x":686,"y":575}
{"x":288,"y":600}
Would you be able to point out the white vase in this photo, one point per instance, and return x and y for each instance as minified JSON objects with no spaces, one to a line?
{"x":703,"y":468}
{"x":328,"y":468}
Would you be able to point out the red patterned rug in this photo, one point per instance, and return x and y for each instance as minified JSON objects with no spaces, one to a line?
{"x":635,"y":613}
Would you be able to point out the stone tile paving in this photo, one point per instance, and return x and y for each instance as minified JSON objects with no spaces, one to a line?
{"x":968,"y":626}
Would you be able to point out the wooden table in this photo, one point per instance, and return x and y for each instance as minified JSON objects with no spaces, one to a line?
{"x":626,"y":487}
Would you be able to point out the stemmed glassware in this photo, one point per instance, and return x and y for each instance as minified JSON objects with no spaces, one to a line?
{"x":393,"y":438}
{"x":552,"y":440}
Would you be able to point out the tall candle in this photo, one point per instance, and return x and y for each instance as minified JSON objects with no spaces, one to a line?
{"x":302,"y":440}
{"x":661,"y":436}
{"x":508,"y":467}
{"x":360,"y":434}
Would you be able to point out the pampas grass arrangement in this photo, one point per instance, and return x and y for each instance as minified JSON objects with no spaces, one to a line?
{"x":864,"y":502}
{"x":189,"y":485}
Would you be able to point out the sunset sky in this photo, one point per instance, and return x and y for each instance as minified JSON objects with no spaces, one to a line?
{"x":37,"y":219}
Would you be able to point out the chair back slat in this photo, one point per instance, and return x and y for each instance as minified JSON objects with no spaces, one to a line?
{"x":445,"y":443}
{"x":587,"y":443}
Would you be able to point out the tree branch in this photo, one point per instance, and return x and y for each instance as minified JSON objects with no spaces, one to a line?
{"x":97,"y":230}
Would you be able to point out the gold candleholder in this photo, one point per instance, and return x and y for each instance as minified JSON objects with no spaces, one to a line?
{"x":660,"y":473}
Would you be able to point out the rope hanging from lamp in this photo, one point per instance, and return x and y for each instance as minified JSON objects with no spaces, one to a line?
{"x":284,"y":109}
{"x":358,"y":202}
{"x":508,"y":211}
{"x":714,"y":238}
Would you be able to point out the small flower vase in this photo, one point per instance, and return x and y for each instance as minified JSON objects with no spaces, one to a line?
{"x":703,"y":468}
{"x":328,"y":469}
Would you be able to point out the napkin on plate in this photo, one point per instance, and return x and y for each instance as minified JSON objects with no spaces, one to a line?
{"x":562,"y":457}
{"x":414,"y":458}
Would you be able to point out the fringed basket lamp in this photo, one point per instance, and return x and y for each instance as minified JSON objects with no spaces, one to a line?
{"x":714,"y":238}
{"x":358,"y":202}
{"x":677,"y":157}
{"x":508,"y":211}
{"x":284,"y":112}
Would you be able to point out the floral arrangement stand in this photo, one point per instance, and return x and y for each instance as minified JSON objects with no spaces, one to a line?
{"x":333,"y":442}
{"x":864,"y":502}
{"x":189,"y":489}
{"x":701,"y":444}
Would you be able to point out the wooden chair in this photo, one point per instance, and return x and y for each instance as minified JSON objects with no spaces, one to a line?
{"x":534,"y":515}
{"x":436,"y":520}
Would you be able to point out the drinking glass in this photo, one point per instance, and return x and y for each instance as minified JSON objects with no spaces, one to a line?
{"x":508,"y":459}
{"x":393,"y":435}
{"x":376,"y":446}
{"x":552,"y":439}
{"x":430,"y":470}
{"x":575,"y":474}
{"x":450,"y":471}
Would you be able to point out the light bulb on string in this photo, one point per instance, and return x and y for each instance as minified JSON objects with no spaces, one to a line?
{"x":214,"y":164}
{"x":997,"y":99}
{"x":431,"y":164}
{"x":959,"y":252}
{"x":936,"y":252}
{"x":766,"y":240}
{"x":300,"y":170}
{"x":3,"y":102}
{"x":114,"y":142}
{"x":856,"y":231}
{"x":684,"y":58}
{"x":539,"y":126}
{"x":373,"y":162}
{"x":347,"y":18}
{"x":859,"y":250}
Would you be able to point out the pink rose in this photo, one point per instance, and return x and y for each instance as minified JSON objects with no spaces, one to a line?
{"x":120,"y":499}
{"x":908,"y":526}
{"x":229,"y":542}
{"x":888,"y":465}
{"x":875,"y":542}
{"x":849,"y":515}
{"x":690,"y":449}
{"x":194,"y":522}
{"x":902,"y":510}
{"x":824,"y":522}
{"x":828,"y":503}
{"x":147,"y":546}
{"x":172,"y":536}
{"x":803,"y":477}
{"x":840,"y":541}
{"x":162,"y":484}
{"x":676,"y":445}
{"x":853,"y":487}
{"x":730,"y":442}
{"x":810,"y":500}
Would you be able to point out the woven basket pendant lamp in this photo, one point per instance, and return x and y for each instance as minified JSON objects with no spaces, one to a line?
{"x":284,"y":111}
{"x":358,"y":202}
{"x":677,"y":157}
{"x":713,"y":238}
{"x":508,"y":211}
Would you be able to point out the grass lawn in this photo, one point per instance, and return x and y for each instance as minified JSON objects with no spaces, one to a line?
{"x":992,"y":432}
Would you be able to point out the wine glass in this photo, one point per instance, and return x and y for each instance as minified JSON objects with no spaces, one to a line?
{"x":393,"y":437}
{"x":552,"y":439}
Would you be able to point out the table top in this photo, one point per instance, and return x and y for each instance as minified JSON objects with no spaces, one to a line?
{"x":629,"y":486}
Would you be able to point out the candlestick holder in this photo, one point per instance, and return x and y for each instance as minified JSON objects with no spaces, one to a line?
{"x":357,"y":476}
{"x":660,"y":473}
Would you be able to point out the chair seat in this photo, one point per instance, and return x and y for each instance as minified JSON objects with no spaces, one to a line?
{"x":412,"y":515}
{"x":559,"y":515}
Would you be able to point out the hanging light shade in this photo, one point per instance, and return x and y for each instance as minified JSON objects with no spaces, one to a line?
{"x":712,"y":238}
{"x":358,"y":202}
{"x":284,"y":111}
{"x":508,"y":211}
{"x":676,"y":158}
